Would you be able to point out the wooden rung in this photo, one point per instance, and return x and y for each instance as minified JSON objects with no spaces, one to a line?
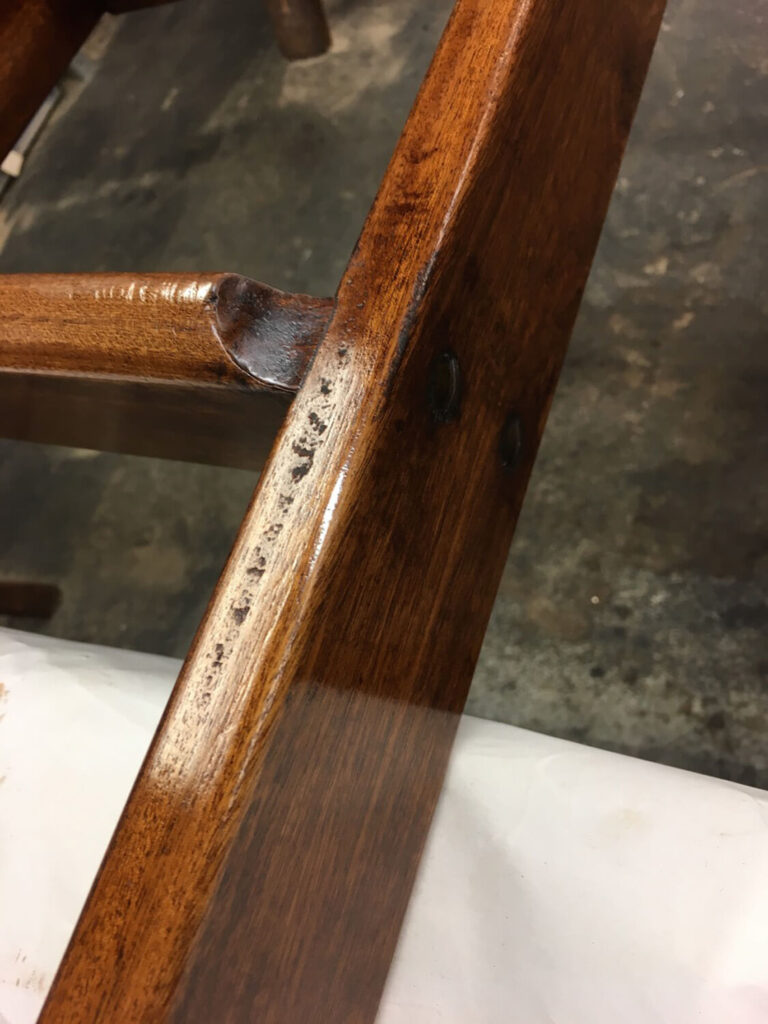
{"x":300,"y":27}
{"x":215,"y":330}
{"x":158,"y":364}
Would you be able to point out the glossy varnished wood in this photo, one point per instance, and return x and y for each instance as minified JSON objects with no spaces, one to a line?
{"x":216,"y":330}
{"x":38,"y":39}
{"x":263,"y":863}
{"x":155,"y":364}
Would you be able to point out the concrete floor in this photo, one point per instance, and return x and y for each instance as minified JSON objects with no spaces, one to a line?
{"x":634,"y":606}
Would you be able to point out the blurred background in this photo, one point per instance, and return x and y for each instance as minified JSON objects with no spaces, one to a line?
{"x":634,"y":607}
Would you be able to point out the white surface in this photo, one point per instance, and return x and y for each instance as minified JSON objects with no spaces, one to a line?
{"x":76,"y":723}
{"x":567,"y":885}
{"x":561,"y":884}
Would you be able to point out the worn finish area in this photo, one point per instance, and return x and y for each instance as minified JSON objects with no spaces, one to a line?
{"x":634,"y":606}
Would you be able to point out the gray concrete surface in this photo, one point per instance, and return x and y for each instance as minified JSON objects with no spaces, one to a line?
{"x":633,"y":610}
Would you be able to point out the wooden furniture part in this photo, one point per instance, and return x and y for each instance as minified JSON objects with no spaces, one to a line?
{"x":262,"y":865}
{"x":263,"y":862}
{"x":28,"y":600}
{"x":190,"y":423}
{"x":38,"y":39}
{"x":172,"y":365}
{"x":300,"y":27}
{"x":213,"y":331}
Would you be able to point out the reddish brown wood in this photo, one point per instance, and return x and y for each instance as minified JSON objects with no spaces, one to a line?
{"x":172,"y":355}
{"x":263,"y":863}
{"x":215,"y":330}
{"x":28,"y":600}
{"x":300,"y":27}
{"x":38,"y":39}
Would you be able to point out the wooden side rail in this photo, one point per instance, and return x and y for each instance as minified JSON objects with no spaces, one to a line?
{"x":263,"y":863}
{"x":158,"y":364}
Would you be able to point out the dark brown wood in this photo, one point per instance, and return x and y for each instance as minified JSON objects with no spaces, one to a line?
{"x":124,"y":6}
{"x":270,"y":335}
{"x":38,"y":39}
{"x":208,"y":425}
{"x":263,"y":863}
{"x":28,"y":600}
{"x":300,"y":27}
{"x":141,"y":363}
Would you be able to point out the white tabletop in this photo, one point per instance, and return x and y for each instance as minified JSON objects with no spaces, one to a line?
{"x":560,"y":885}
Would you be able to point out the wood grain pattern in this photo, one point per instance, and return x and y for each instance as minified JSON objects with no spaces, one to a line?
{"x":158,"y":364}
{"x":263,"y":863}
{"x":300,"y":27}
{"x":38,"y":39}
{"x":216,"y":330}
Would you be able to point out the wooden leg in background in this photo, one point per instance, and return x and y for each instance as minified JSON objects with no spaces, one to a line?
{"x":38,"y":39}
{"x":29,"y":600}
{"x":300,"y":26}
